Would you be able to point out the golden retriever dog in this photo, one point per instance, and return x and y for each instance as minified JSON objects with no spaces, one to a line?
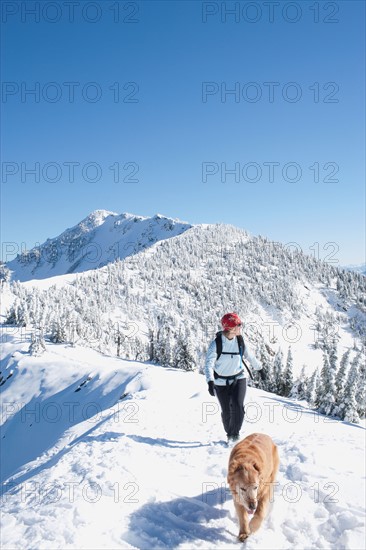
{"x":253,"y":466}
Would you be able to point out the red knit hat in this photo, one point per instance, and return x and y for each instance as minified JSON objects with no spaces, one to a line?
{"x":230,"y":320}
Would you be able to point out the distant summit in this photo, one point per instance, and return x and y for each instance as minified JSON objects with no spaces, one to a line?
{"x":358,"y":268}
{"x":100,"y":238}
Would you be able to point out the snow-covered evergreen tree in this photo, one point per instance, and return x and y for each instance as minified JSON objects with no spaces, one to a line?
{"x":341,"y":374}
{"x":118,"y":338}
{"x":348,"y":409}
{"x":333,"y":358}
{"x":326,"y":396}
{"x":299,"y":388}
{"x":312,"y":384}
{"x":288,"y":374}
{"x":266,"y":363}
{"x":361,"y":386}
{"x":37,"y":346}
{"x":5,"y":274}
{"x":17,"y":314}
{"x":183,"y":356}
{"x":57,"y":331}
{"x":278,"y":373}
{"x":163,"y":347}
{"x":151,"y":344}
{"x":138,"y":350}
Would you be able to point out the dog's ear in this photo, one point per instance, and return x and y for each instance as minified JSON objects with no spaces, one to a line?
{"x":235,"y":466}
{"x":256,"y":467}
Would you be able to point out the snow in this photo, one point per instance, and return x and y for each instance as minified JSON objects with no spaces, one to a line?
{"x":89,"y":470}
{"x":100,"y":238}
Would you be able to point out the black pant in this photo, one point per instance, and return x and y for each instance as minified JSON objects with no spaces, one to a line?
{"x":231,"y":399}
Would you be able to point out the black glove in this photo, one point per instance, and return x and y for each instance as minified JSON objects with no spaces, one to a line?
{"x":211,"y":388}
{"x":263,"y":374}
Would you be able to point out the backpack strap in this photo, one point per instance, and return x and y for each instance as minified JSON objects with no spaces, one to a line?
{"x":241,"y":345}
{"x":218,"y":341}
{"x":241,"y":351}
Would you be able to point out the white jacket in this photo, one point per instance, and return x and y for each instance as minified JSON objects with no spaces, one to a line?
{"x":228,"y":365}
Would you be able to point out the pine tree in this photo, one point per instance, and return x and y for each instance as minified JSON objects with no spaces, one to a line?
{"x":11,"y":315}
{"x":299,"y":388}
{"x":326,"y":398}
{"x":348,"y":409}
{"x":18,"y":314}
{"x":278,"y":373}
{"x":5,"y":275}
{"x":287,"y":375}
{"x":265,"y":361}
{"x":118,"y":338}
{"x":162,"y":347}
{"x":152,"y":341}
{"x":71,"y":328}
{"x":341,"y":374}
{"x":333,"y":354}
{"x":361,"y":386}
{"x":138,"y":349}
{"x":58,"y":332}
{"x":269,"y":382}
{"x":318,"y":394}
{"x":312,"y":384}
{"x":183,"y":357}
{"x":37,"y":346}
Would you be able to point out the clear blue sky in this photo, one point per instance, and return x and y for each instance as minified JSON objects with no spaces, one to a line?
{"x":169,"y":123}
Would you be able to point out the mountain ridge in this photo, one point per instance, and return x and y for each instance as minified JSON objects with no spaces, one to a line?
{"x":358,"y":268}
{"x":100,"y":238}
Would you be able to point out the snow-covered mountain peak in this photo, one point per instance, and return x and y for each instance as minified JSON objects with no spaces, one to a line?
{"x":100,"y":238}
{"x":96,"y":218}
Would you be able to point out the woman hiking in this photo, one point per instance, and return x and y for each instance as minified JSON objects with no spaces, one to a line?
{"x":226,"y":374}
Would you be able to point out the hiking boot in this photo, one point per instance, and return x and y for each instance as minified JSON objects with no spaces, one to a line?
{"x":232,"y":439}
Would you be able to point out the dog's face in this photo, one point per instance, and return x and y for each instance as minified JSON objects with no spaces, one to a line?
{"x":244,"y":484}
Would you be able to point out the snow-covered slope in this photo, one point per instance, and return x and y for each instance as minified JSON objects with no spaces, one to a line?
{"x":101,"y":238}
{"x":85,"y":469}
